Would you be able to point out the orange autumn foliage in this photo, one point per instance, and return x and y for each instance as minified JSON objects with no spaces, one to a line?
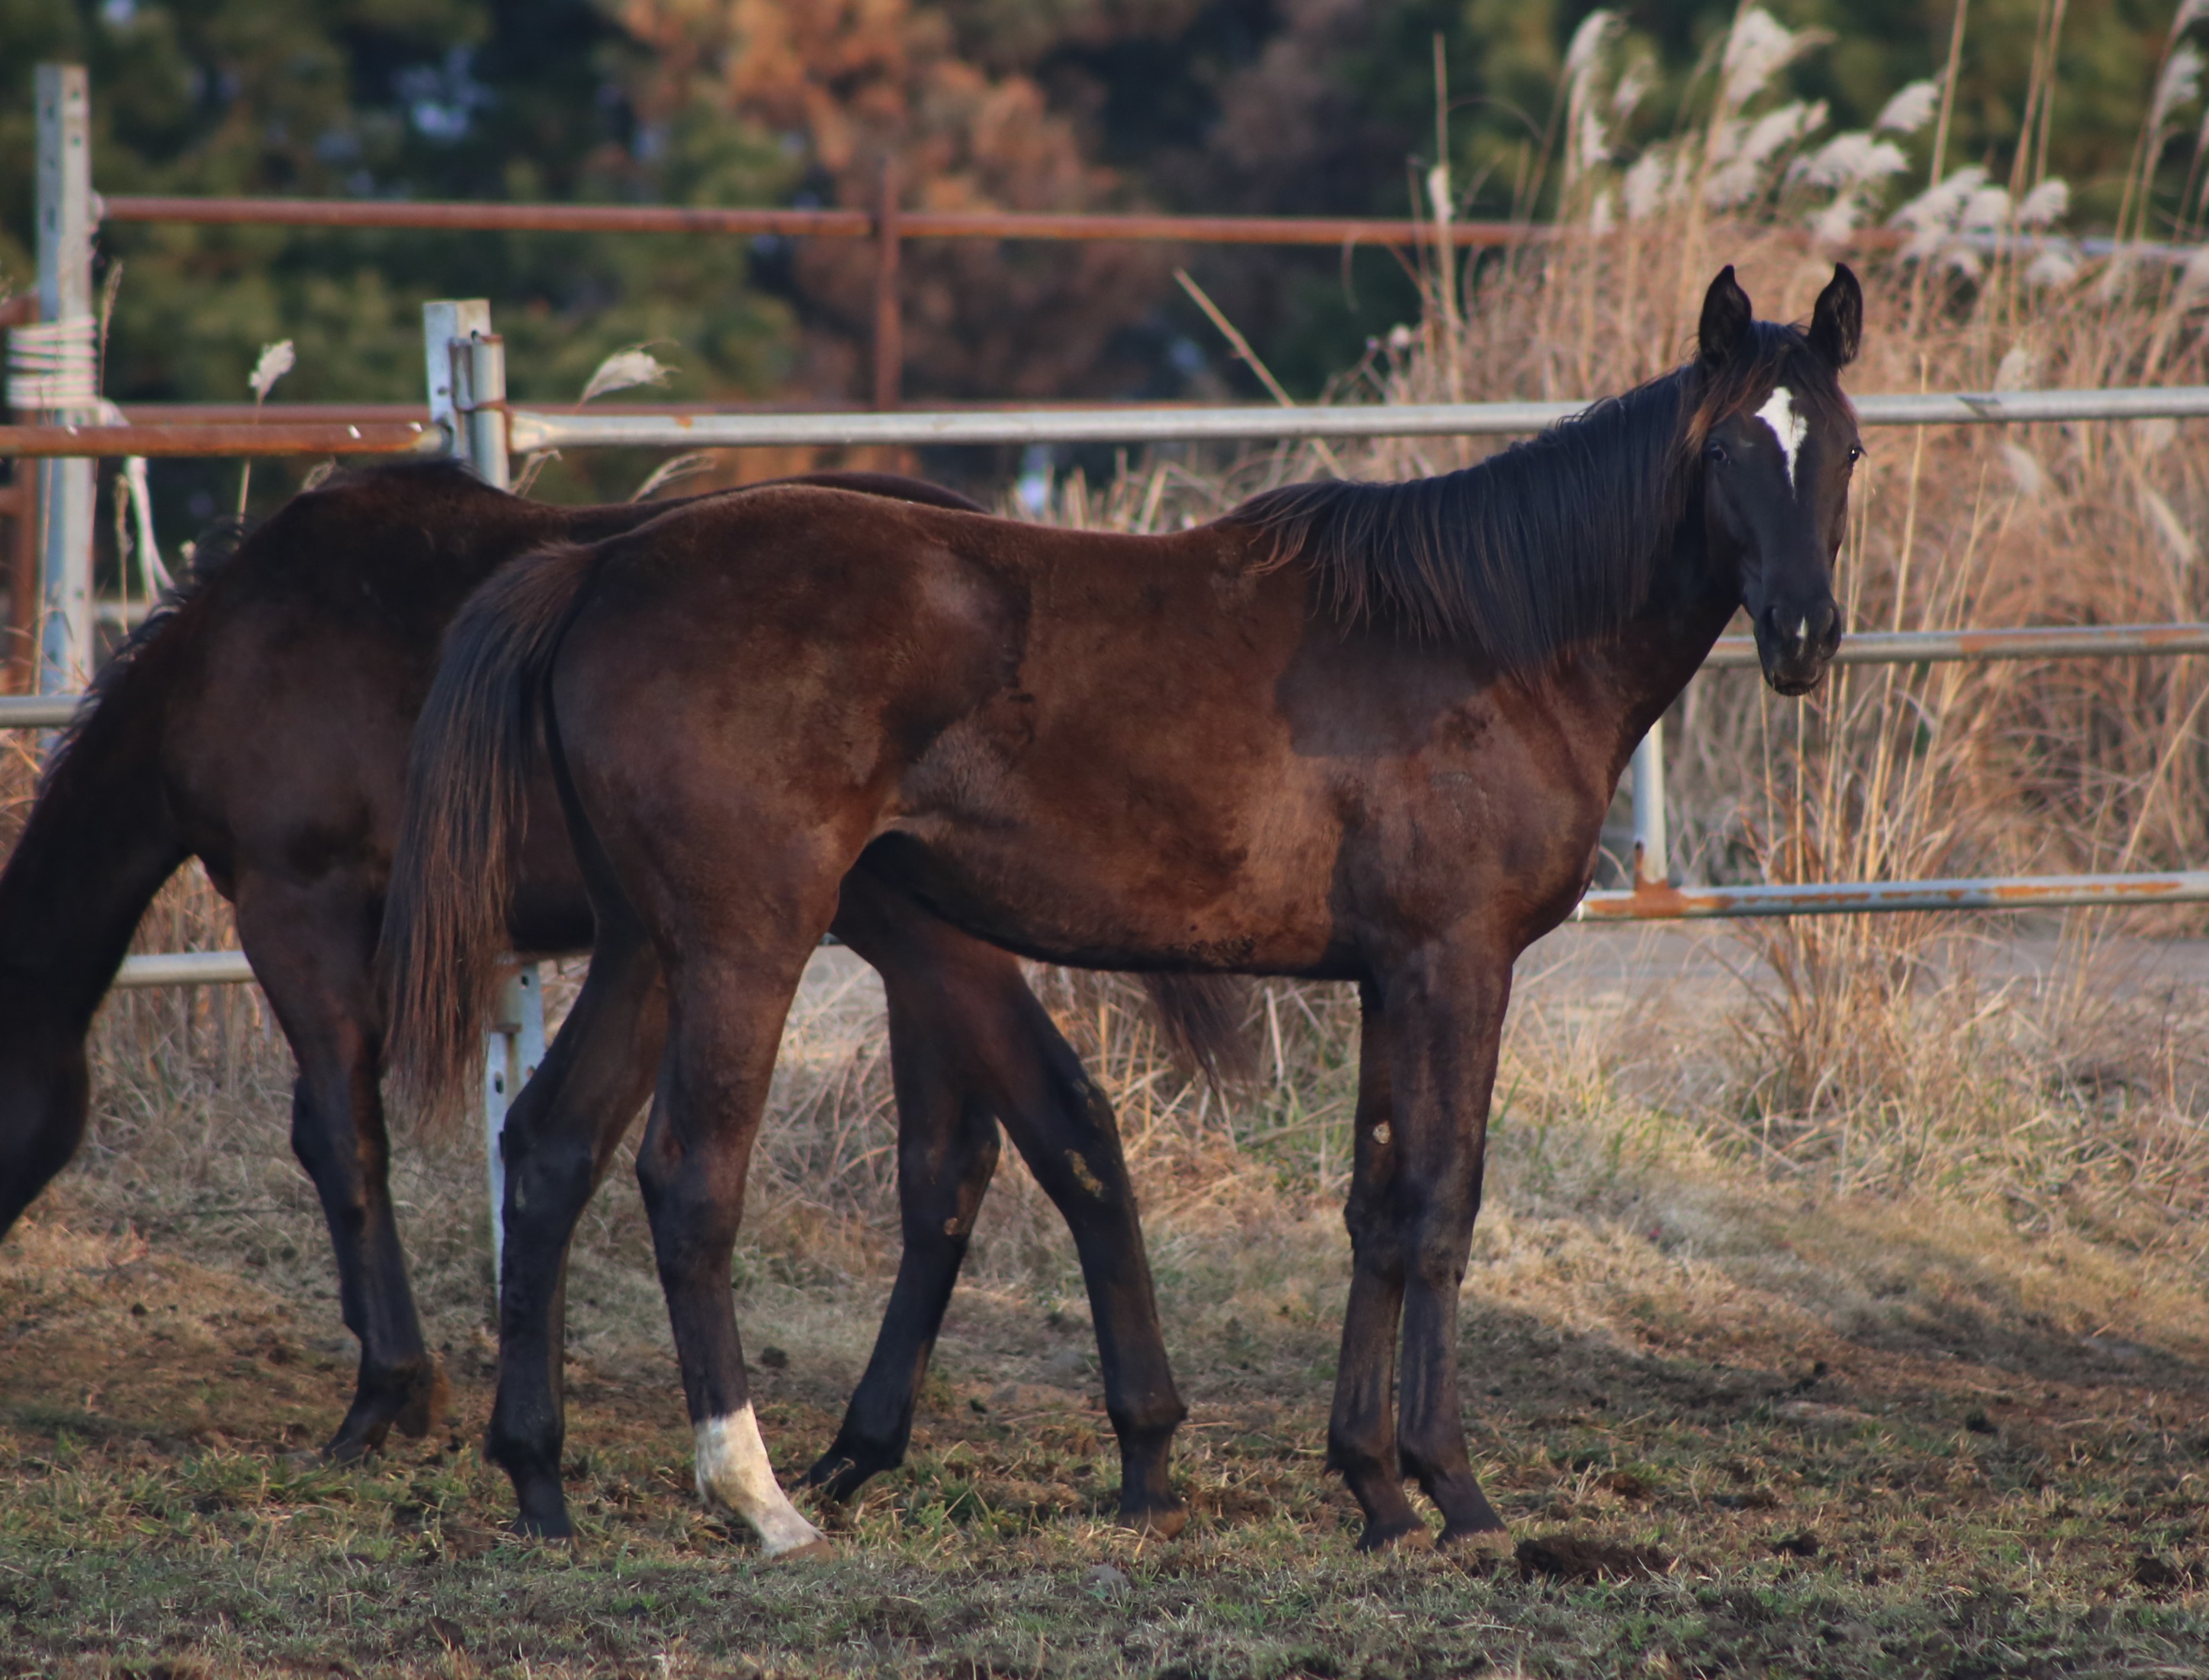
{"x":856,"y":82}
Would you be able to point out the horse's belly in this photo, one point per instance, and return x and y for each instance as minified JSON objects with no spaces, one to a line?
{"x":1088,"y":863}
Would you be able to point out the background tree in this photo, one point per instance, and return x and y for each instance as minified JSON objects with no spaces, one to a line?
{"x":423,"y":99}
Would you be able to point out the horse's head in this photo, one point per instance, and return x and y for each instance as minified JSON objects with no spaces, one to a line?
{"x":1778,"y":443}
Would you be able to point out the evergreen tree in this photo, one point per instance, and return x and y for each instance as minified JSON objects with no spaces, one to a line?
{"x":422,"y":98}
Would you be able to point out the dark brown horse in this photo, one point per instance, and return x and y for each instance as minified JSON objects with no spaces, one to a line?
{"x":261,"y":725}
{"x":1352,"y":732}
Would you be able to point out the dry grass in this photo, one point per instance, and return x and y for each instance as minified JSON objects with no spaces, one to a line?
{"x":1849,"y":1433}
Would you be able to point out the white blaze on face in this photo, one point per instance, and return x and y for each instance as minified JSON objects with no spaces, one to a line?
{"x":734,"y":1475}
{"x":1789,"y":427}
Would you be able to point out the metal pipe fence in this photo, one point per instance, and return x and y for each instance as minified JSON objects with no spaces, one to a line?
{"x":228,"y":440}
{"x":1656,"y":901}
{"x":484,"y":217}
{"x":470,"y":418}
{"x":529,"y":429}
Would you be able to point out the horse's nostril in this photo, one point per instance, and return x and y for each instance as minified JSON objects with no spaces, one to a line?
{"x":1821,"y":628}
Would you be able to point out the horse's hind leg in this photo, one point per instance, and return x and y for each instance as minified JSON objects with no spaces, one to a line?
{"x":311,"y":945}
{"x":1066,"y":1133}
{"x":969,"y":1040}
{"x":727,"y":1001}
{"x":947,"y":1154}
{"x":560,"y":1137}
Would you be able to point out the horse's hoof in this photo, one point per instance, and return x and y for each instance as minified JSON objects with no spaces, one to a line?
{"x":1157,"y":1522}
{"x":1400,"y":1539}
{"x":546,"y":1527}
{"x":1476,"y":1538}
{"x":814,"y":1551}
{"x":347,"y":1447}
{"x":838,"y":1476}
{"x":428,"y":1398}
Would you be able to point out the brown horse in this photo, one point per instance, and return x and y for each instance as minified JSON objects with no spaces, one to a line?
{"x":261,"y":723}
{"x":1352,"y":732}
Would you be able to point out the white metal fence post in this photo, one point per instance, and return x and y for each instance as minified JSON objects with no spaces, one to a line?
{"x":66,"y":350}
{"x":514,"y":1051}
{"x":1652,"y":863}
{"x":465,"y":365}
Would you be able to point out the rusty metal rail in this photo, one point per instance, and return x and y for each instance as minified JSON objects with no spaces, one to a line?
{"x":1736,"y":652}
{"x":493,"y":217}
{"x":1651,"y":902}
{"x":55,"y":711}
{"x":1646,"y":904}
{"x":229,"y":440}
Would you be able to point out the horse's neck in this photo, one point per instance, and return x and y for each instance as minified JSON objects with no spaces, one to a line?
{"x":1634,"y":679}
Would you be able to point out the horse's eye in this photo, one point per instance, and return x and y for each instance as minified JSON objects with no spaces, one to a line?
{"x":1856,"y":453}
{"x":1715,"y":453}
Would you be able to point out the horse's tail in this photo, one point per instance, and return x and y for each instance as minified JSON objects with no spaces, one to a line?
{"x":99,"y":841}
{"x":475,"y":749}
{"x":1204,"y":1019}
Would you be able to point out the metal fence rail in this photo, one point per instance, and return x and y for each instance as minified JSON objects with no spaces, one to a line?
{"x":2084,"y":641}
{"x":185,"y":968}
{"x":229,"y":440}
{"x":1653,"y":901}
{"x":1733,"y":652}
{"x":1050,"y":226}
{"x":530,"y":429}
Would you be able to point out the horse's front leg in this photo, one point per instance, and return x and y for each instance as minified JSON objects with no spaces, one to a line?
{"x":1445,"y":1009}
{"x":1361,"y":1435}
{"x":309,"y":946}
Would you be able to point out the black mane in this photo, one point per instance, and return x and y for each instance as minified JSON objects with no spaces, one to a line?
{"x":214,"y":549}
{"x":1555,"y":540}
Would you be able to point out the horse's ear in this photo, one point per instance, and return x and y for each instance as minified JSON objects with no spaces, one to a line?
{"x":1727,"y":318}
{"x":1837,"y":324}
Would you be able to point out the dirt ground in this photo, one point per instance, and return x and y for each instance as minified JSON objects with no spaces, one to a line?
{"x":1736,"y":1428}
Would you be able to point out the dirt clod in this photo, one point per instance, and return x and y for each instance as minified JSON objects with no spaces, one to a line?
{"x":1568,"y":1557}
{"x":2161,"y":1574}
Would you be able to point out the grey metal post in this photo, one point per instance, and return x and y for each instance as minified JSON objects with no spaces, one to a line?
{"x":67,"y":488}
{"x":1652,"y":861}
{"x":465,"y":365}
{"x":514,"y":1050}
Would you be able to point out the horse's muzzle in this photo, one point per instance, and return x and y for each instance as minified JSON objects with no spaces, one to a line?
{"x":1795,"y":644}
